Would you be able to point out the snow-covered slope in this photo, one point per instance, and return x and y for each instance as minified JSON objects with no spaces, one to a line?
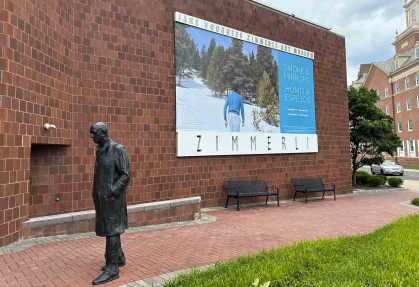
{"x":197,"y":110}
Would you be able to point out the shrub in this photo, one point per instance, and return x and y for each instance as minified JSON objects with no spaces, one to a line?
{"x":395,"y":182}
{"x":415,"y":201}
{"x":362,"y":177}
{"x":383,"y":178}
{"x":375,"y":180}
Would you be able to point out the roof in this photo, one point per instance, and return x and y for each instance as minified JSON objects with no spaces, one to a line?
{"x":389,"y":67}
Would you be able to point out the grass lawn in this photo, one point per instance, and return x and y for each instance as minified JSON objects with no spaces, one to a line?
{"x":387,"y":257}
{"x":410,"y":167}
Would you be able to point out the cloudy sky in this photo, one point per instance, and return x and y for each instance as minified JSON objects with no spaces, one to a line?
{"x":368,"y":25}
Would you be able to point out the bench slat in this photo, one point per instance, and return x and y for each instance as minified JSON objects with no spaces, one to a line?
{"x":307,"y":185}
{"x":248,"y":188}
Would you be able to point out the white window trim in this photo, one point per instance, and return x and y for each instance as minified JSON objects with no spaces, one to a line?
{"x":397,"y":88}
{"x":387,"y":109}
{"x":412,"y":153}
{"x":405,"y":82}
{"x":408,"y":126}
{"x":400,"y":151}
{"x":398,"y":107}
{"x":417,"y":77}
{"x":407,"y":106}
{"x":386,"y":92}
{"x":399,"y":127}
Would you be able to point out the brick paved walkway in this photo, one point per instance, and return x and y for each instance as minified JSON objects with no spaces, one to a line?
{"x":154,"y":252}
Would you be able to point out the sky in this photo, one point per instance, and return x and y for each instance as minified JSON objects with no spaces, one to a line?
{"x":368,"y":26}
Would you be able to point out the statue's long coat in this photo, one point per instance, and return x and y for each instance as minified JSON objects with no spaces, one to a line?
{"x":112,"y":175}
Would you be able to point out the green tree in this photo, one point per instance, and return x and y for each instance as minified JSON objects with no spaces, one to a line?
{"x":207,"y":58}
{"x":252,"y":75}
{"x":266,"y":63}
{"x":236,"y":66}
{"x":185,"y":50}
{"x":268,"y":100}
{"x":203,"y":57}
{"x":215,"y":77}
{"x":371,"y":130}
{"x":196,"y":61}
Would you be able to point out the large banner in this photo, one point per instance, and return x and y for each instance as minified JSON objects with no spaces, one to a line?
{"x":237,"y":93}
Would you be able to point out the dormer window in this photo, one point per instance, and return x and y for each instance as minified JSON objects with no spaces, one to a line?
{"x":396,"y":64}
{"x":413,"y":15}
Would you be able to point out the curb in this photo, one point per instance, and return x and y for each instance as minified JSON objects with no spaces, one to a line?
{"x":24,"y":244}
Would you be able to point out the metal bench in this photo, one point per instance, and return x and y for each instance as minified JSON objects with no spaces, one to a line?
{"x":249,"y":188}
{"x":307,"y":185}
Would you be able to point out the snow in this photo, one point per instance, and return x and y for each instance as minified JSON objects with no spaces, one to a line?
{"x":197,"y":109}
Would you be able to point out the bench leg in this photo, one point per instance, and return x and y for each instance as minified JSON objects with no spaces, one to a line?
{"x":334,"y":194}
{"x":228,"y":197}
{"x":295,"y":194}
{"x":238,"y":197}
{"x":277,"y":197}
{"x":306,"y":196}
{"x":267,"y":199}
{"x":323,"y":195}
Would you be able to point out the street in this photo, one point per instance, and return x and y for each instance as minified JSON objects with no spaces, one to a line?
{"x":408,"y":175}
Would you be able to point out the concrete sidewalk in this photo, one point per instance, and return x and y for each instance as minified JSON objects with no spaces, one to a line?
{"x":153,"y":252}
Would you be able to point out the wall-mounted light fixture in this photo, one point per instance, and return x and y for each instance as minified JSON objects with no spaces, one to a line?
{"x":48,"y":126}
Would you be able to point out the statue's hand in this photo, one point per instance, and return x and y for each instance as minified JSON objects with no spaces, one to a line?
{"x":112,"y":194}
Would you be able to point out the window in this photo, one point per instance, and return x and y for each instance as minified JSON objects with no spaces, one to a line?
{"x":417,"y":79}
{"x":417,"y":52}
{"x":397,"y":88}
{"x":407,"y":83}
{"x":387,"y":109}
{"x":396,"y":64}
{"x":378,"y":93}
{"x":410,"y":125}
{"x":399,"y":109}
{"x":401,"y":150}
{"x":386,"y":92}
{"x":408,"y":105}
{"x":400,"y":126}
{"x":413,"y":15}
{"x":412,"y":149}
{"x":417,"y":100}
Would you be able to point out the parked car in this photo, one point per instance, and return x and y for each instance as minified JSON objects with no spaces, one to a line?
{"x":387,"y":167}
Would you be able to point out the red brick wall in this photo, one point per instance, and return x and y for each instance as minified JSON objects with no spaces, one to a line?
{"x":72,"y":63}
{"x":379,"y":81}
{"x":364,"y":68}
{"x":50,"y":180}
{"x":412,"y":39}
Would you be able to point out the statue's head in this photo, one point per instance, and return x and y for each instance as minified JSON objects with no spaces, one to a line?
{"x":99,"y":133}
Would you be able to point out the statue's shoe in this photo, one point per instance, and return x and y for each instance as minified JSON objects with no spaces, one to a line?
{"x":108,"y":275}
{"x":121,"y":263}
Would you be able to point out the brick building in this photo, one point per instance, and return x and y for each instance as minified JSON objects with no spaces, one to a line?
{"x":397,"y":81}
{"x":71,"y":63}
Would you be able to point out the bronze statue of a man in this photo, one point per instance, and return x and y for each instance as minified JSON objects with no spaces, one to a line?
{"x":112,"y":175}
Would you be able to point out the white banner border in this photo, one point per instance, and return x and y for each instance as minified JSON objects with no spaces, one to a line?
{"x":205,"y":143}
{"x":230,"y":32}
